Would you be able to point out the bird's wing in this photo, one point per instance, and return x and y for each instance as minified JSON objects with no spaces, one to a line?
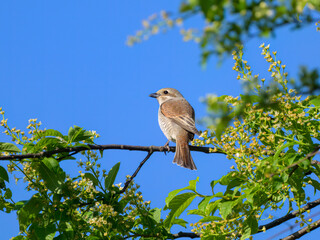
{"x":181,"y":112}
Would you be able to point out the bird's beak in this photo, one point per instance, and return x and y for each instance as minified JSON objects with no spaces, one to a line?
{"x":154,"y":95}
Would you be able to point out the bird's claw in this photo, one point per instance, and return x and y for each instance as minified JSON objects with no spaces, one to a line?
{"x":166,"y":148}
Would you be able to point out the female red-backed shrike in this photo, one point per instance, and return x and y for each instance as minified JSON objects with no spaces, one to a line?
{"x":176,"y":120}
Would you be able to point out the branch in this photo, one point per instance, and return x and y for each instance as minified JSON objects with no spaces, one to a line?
{"x":291,"y":227}
{"x":303,"y":231}
{"x":272,"y":224}
{"x":289,"y":216}
{"x":295,"y":165}
{"x":185,"y":234}
{"x":104,"y":147}
{"x":173,"y":236}
{"x":309,"y":155}
{"x":136,"y":172}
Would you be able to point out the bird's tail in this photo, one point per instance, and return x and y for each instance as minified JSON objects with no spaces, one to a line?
{"x":183,"y":156}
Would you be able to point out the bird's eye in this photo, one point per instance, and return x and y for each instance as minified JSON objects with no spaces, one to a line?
{"x":165,"y":92}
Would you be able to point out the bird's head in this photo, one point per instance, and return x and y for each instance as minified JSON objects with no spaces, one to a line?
{"x":166,"y":94}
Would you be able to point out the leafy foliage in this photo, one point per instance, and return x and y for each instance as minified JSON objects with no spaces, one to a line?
{"x":228,"y":23}
{"x":270,"y":132}
{"x":271,"y":136}
{"x":86,"y":206}
{"x":309,"y":81}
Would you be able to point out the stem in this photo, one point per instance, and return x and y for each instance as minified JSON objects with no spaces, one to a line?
{"x":30,"y":180}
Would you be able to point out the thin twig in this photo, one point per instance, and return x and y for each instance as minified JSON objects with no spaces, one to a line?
{"x":303,"y":231}
{"x":136,"y":172}
{"x":68,"y":155}
{"x":295,"y":165}
{"x":309,"y":155}
{"x":103,"y":147}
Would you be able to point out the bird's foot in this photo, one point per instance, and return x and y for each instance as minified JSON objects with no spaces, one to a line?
{"x":166,"y":148}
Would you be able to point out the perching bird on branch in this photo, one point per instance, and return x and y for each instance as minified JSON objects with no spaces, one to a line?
{"x":176,"y":120}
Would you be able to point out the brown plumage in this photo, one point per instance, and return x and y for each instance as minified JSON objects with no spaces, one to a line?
{"x":176,"y":120}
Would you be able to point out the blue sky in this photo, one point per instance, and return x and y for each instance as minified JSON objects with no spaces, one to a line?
{"x":66,"y":63}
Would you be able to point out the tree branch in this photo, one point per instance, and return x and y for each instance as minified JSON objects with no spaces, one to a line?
{"x":296,"y":164}
{"x":303,"y":231}
{"x":185,"y":234}
{"x":289,"y":216}
{"x":292,"y":226}
{"x":136,"y":172}
{"x":270,"y":225}
{"x":104,"y":147}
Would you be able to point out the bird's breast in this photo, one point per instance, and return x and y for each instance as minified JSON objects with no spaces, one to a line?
{"x":168,"y":127}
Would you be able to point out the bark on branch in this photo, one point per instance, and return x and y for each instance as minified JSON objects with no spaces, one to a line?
{"x":185,"y":234}
{"x":103,"y":147}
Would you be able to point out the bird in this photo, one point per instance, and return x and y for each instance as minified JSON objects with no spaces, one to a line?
{"x":176,"y":119}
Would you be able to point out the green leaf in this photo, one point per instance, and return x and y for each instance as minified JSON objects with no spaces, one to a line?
{"x":212,"y":207}
{"x":184,"y":7}
{"x":226,"y":208}
{"x":73,"y":132}
{"x":171,"y":195}
{"x":101,"y":152}
{"x":316,"y":101}
{"x":222,"y":124}
{"x":19,"y":205}
{"x":210,"y":219}
{"x":44,"y":232}
{"x":54,"y":166}
{"x":111,"y":176}
{"x":2,"y":184}
{"x":9,"y":147}
{"x":4,"y":174}
{"x":29,"y":211}
{"x":19,"y":237}
{"x":68,"y":232}
{"x":205,"y":6}
{"x":314,"y":183}
{"x":51,"y":132}
{"x":177,"y":205}
{"x":250,"y":98}
{"x":51,"y":173}
{"x":91,"y":177}
{"x":197,"y":212}
{"x":204,"y":203}
{"x":250,"y":193}
{"x":77,"y":134}
{"x":289,"y":144}
{"x":156,"y":214}
{"x":250,"y":227}
{"x":212,"y":184}
{"x":235,"y":183}
{"x":94,"y":238}
{"x":180,"y":222}
{"x":193,"y":3}
{"x":7,"y":194}
{"x":48,"y":143}
{"x":48,"y":176}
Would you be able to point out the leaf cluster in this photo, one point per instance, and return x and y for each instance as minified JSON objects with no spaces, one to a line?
{"x":271,"y":135}
{"x":85,"y":206}
{"x":230,"y":22}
